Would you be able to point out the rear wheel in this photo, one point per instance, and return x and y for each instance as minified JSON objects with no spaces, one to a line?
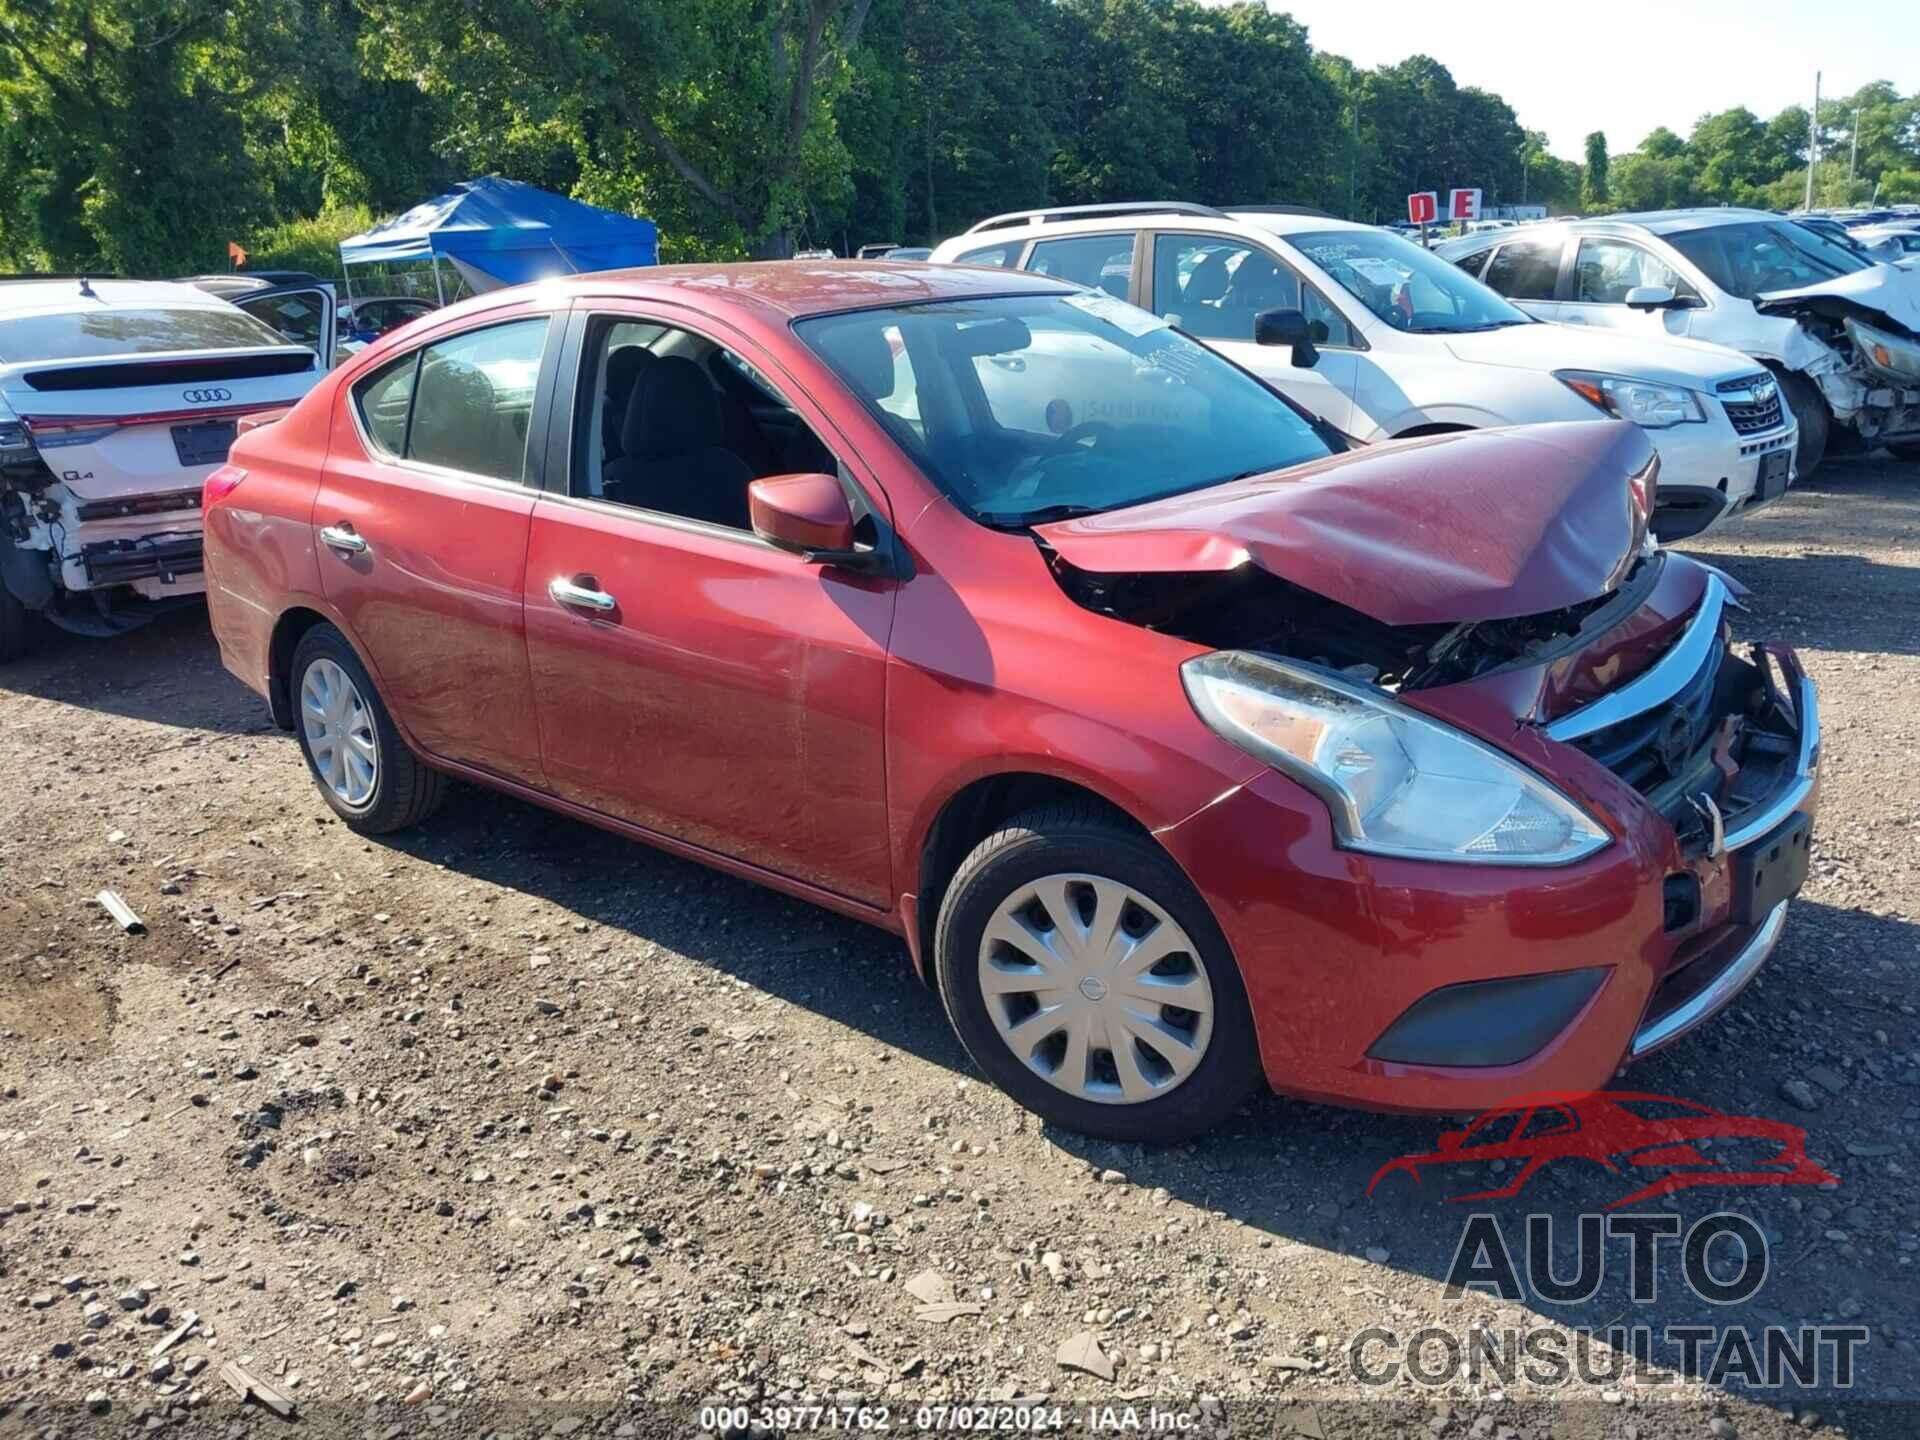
{"x":363,"y":768}
{"x":1810,"y":413}
{"x":1088,"y":979}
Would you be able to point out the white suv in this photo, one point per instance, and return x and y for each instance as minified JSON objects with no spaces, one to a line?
{"x":117,"y":398}
{"x":1382,"y":340}
{"x":1840,"y":331}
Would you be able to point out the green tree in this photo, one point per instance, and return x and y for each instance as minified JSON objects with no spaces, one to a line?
{"x":1594,"y":194}
{"x":717,"y":115}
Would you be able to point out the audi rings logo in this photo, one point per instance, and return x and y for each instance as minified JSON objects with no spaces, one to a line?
{"x":205,"y":397}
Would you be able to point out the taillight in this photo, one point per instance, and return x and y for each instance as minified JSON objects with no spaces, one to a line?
{"x":220,"y":484}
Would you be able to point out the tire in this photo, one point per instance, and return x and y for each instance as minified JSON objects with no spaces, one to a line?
{"x":13,"y":626}
{"x":1814,"y":419}
{"x":403,"y":791}
{"x":1904,"y":451}
{"x":1079,"y":847}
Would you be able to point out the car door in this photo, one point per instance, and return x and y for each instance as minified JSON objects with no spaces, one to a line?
{"x":421,"y":524}
{"x":1212,"y":287}
{"x":305,"y":315}
{"x":1604,"y":269}
{"x":690,"y":678}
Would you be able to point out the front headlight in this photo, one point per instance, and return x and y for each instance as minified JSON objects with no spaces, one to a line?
{"x":1396,"y":782}
{"x":1893,"y":357}
{"x":1646,"y":404}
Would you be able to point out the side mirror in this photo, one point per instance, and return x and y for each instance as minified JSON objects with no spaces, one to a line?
{"x":807,"y":514}
{"x":1287,"y":327}
{"x":1651,"y":297}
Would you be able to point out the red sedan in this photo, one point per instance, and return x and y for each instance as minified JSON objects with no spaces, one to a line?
{"x":1183,"y":743}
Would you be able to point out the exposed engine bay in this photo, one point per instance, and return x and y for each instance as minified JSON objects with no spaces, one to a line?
{"x":1247,"y":608}
{"x":1869,"y":365}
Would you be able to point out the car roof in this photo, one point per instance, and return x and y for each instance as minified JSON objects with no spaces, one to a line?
{"x":787,"y":289}
{"x":54,"y":297}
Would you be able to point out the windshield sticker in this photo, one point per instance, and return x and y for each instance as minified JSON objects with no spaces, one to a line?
{"x":1129,"y":318}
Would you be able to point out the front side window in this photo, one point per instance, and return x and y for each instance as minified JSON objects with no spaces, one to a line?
{"x":1605,"y":270}
{"x":1028,"y":408}
{"x":1099,"y":262}
{"x":1410,"y":288}
{"x":1751,"y":259}
{"x":1525,"y":269}
{"x":1214,"y":288}
{"x":671,"y":422}
{"x":464,"y":403}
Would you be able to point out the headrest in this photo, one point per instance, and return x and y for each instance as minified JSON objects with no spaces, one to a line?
{"x":1209,"y":278}
{"x":673,"y":411}
{"x":858,"y":349}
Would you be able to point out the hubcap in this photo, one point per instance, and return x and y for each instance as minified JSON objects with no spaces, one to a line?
{"x":339,"y":731}
{"x":1096,"y":989}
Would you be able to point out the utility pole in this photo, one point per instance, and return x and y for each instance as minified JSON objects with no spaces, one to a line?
{"x":1853,"y":160}
{"x":1353,"y":156}
{"x":1813,"y":139}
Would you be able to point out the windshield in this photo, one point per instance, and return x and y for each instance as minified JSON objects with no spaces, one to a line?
{"x":1750,"y":259}
{"x":1031,"y":408}
{"x":1409,"y":288}
{"x":94,"y":334}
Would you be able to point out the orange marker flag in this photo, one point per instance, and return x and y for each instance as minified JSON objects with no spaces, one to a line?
{"x":236,"y":255}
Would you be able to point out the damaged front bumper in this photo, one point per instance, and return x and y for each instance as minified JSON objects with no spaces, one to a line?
{"x":1481,"y":984}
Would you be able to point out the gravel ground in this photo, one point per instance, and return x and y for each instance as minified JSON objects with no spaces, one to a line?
{"x":541,"y":1131}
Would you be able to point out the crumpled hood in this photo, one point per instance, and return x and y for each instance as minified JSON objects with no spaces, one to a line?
{"x":1488,"y":525}
{"x":1891,"y":292}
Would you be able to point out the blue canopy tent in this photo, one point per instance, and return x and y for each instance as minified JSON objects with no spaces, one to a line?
{"x":502,"y":232}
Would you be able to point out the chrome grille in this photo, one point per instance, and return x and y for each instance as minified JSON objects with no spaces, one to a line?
{"x":1752,"y":403}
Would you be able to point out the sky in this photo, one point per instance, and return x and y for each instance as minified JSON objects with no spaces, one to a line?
{"x":1628,"y":66}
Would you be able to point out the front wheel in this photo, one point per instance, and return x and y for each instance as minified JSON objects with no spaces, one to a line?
{"x":1810,"y":413}
{"x":13,"y":626}
{"x":1088,"y":979}
{"x":363,"y":768}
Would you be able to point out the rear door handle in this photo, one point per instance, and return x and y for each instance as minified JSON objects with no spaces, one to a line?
{"x":565,"y":592}
{"x":343,"y":538}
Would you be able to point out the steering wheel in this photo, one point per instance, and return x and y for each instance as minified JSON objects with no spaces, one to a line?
{"x":1093,"y":430}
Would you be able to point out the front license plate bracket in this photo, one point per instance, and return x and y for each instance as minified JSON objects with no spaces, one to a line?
{"x":1772,"y":869}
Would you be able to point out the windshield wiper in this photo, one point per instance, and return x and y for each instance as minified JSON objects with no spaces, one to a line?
{"x":1045,"y":514}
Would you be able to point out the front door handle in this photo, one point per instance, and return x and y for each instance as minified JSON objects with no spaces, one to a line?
{"x":343,"y":538}
{"x":565,"y":592}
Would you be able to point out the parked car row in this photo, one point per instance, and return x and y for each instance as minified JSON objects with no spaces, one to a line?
{"x":1398,"y":343}
{"x":1839,"y":332}
{"x":1187,"y":743}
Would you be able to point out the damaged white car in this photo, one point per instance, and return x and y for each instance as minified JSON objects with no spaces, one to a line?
{"x":117,"y":399}
{"x":1841,"y":332}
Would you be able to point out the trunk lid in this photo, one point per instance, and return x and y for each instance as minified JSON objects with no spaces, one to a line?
{"x":1489,"y":525}
{"x":132,"y":424}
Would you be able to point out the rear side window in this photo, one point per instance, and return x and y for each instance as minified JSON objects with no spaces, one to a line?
{"x":1000,"y":255}
{"x":464,"y":403}
{"x":1100,"y":262}
{"x":1525,"y":270}
{"x":1473,"y":263}
{"x":93,"y":334}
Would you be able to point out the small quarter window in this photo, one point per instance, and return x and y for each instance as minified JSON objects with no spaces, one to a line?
{"x":383,"y":398}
